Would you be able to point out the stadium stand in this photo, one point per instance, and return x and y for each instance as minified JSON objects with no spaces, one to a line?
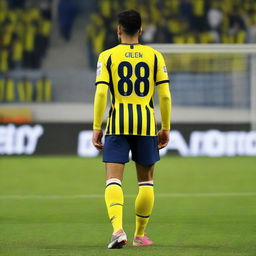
{"x":43,"y":90}
{"x":7,"y":89}
{"x":23,"y":89}
{"x":24,"y":34}
{"x":71,"y":68}
{"x":176,"y":21}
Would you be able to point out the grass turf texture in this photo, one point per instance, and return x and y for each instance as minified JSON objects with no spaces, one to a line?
{"x":179,"y":226}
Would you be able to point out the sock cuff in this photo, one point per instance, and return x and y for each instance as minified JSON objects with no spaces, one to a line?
{"x":113,"y":181}
{"x":146,"y":183}
{"x":143,"y":216}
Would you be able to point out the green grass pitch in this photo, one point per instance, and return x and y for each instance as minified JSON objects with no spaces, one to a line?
{"x":203,"y":207}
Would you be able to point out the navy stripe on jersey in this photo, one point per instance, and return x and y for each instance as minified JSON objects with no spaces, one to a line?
{"x":110,"y":112}
{"x":114,"y":121}
{"x":151,"y":104}
{"x":139,"y":124}
{"x":148,"y":120}
{"x":102,"y":82}
{"x":121,"y":118}
{"x":155,"y":67}
{"x":109,"y":63}
{"x":130,"y":115}
{"x":162,"y":82}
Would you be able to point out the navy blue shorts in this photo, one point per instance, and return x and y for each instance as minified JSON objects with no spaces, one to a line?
{"x":144,"y":149}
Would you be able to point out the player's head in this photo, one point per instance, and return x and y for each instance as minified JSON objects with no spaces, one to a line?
{"x":129,"y":23}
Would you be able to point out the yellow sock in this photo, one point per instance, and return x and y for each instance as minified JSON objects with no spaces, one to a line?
{"x":114,"y":201}
{"x":143,"y":206}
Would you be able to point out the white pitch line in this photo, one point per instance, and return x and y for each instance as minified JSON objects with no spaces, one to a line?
{"x":88,"y":196}
{"x":228,"y":194}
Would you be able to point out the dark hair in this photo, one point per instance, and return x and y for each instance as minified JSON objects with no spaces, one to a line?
{"x":130,"y":20}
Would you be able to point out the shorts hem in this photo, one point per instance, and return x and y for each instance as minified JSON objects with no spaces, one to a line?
{"x":131,"y":134}
{"x":146,"y":163}
{"x":116,"y":162}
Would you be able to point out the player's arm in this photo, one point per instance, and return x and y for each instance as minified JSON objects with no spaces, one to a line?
{"x":165,"y":110}
{"x":162,"y":84}
{"x":165,"y":103}
{"x":100,"y":102}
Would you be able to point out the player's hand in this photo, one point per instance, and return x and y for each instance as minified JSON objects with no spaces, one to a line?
{"x":163,"y":137}
{"x":96,"y":139}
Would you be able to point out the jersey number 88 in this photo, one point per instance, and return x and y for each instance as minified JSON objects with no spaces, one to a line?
{"x":126,"y":79}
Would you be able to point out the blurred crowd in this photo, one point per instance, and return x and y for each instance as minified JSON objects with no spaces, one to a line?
{"x":175,"y":21}
{"x":24,"y":33}
{"x":25,"y":89}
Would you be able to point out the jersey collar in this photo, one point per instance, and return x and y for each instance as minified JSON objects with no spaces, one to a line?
{"x":129,"y":44}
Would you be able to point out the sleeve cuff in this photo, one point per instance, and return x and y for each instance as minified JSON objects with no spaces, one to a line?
{"x":96,"y":127}
{"x":165,"y":127}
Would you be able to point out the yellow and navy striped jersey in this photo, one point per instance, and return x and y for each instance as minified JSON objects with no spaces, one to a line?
{"x":131,"y":71}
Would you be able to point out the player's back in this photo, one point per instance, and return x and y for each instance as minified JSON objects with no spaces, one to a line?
{"x":132,"y":71}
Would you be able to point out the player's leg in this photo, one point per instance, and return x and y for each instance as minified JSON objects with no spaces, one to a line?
{"x":145,"y":153}
{"x":114,"y":194}
{"x":144,"y":172}
{"x":144,"y":203}
{"x":115,"y":155}
{"x":114,"y":201}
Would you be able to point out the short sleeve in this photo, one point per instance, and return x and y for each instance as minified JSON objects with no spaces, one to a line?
{"x":102,"y":74}
{"x":161,"y":70}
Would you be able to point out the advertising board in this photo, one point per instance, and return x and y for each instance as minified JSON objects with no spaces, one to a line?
{"x":75,"y":139}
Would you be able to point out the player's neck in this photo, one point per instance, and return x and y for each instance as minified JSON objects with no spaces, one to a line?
{"x":129,"y":39}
